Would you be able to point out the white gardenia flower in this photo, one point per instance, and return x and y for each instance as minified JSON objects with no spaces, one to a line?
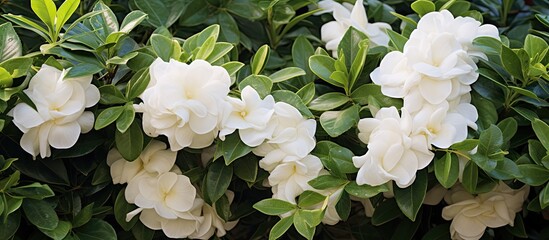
{"x":184,"y":102}
{"x":290,"y":179}
{"x":155,"y":159}
{"x":471,"y":215}
{"x":59,"y":117}
{"x":464,"y":29}
{"x":394,"y":153}
{"x":168,"y":194}
{"x":441,"y":127}
{"x":347,"y":15}
{"x":250,"y":116}
{"x":293,"y":134}
{"x":184,"y":226}
{"x":213,"y":223}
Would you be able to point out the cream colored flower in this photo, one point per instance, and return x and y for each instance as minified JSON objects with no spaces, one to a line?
{"x":471,"y":215}
{"x":250,"y":116}
{"x":186,"y":103}
{"x":212,"y":223}
{"x":394,"y":153}
{"x":347,"y":15}
{"x":155,"y":159}
{"x":59,"y":117}
{"x":290,"y":179}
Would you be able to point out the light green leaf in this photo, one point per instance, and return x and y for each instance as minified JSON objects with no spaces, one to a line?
{"x":286,"y":73}
{"x":260,"y":59}
{"x":132,"y":20}
{"x":328,"y":101}
{"x":130,"y":143}
{"x":336,"y":123}
{"x":309,"y":199}
{"x":220,"y":49}
{"x":410,"y":199}
{"x":422,"y":7}
{"x":327,"y":181}
{"x":541,"y":129}
{"x":262,"y":84}
{"x":6,"y":80}
{"x":306,"y":93}
{"x":323,"y":67}
{"x":281,"y":227}
{"x":29,"y":25}
{"x":125,"y":119}
{"x":206,"y":48}
{"x":232,"y":67}
{"x":17,"y":67}
{"x":64,"y":13}
{"x":534,"y":45}
{"x":292,"y":99}
{"x":138,"y":83}
{"x":300,"y":224}
{"x":337,"y":159}
{"x":273,"y":206}
{"x":45,"y":10}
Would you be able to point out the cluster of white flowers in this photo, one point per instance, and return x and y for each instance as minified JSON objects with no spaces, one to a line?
{"x":183,"y":103}
{"x":59,"y":117}
{"x":471,"y":215}
{"x":347,"y":15}
{"x":165,"y":197}
{"x":433,"y":75}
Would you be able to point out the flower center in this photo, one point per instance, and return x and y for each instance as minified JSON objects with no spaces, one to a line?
{"x":243,"y":113}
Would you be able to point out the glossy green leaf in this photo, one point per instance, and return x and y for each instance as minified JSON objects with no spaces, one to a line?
{"x":273,"y":206}
{"x":162,"y":46}
{"x":281,"y":227}
{"x":126,"y":118}
{"x":59,"y":232}
{"x":470,"y":177}
{"x":286,"y":73}
{"x":364,"y":191}
{"x":64,"y":12}
{"x":246,"y":168}
{"x":233,"y":148}
{"x":108,"y":116}
{"x":83,"y":216}
{"x":220,"y":49}
{"x":309,"y":199}
{"x":386,"y":212}
{"x":508,"y":128}
{"x":447,"y":170}
{"x":410,"y":199}
{"x":96,"y":229}
{"x":422,"y":7}
{"x":323,"y":67}
{"x":137,"y":84}
{"x":541,"y":129}
{"x":336,"y":123}
{"x":217,"y":180}
{"x":132,"y":20}
{"x":337,"y":159}
{"x":511,"y":62}
{"x":292,"y":99}
{"x":533,"y":174}
{"x":327,"y":181}
{"x":34,"y":190}
{"x":130,"y":143}
{"x":260,"y":59}
{"x":328,"y":101}
{"x":544,"y":197}
{"x":121,"y":209}
{"x":302,"y":227}
{"x":307,"y":93}
{"x":45,"y":10}
{"x":40,"y":213}
{"x":262,"y":84}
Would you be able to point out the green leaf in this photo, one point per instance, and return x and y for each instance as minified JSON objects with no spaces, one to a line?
{"x":274,"y":206}
{"x":141,"y":232}
{"x":246,"y":168}
{"x":126,"y":118}
{"x":410,"y":199}
{"x":447,"y":170}
{"x":385,"y":212}
{"x":229,"y":31}
{"x":233,"y":148}
{"x":34,"y":190}
{"x":397,"y":40}
{"x":309,"y":199}
{"x":523,"y":91}
{"x":508,"y":128}
{"x":350,"y":46}
{"x":358,"y":64}
{"x":487,"y":114}
{"x":122,"y":60}
{"x":302,"y":49}
{"x":286,"y":73}
{"x":335,"y":158}
{"x":506,"y":169}
{"x":130,"y":143}
{"x":232,"y":67}
{"x":10,"y":44}
{"x":220,"y":49}
{"x":323,"y":67}
{"x":292,"y":99}
{"x":40,"y":214}
{"x":533,"y":175}
{"x":470,"y":177}
{"x":132,"y":20}
{"x":281,"y":227}
{"x":217,"y":180}
{"x":534,"y":45}
{"x":110,"y":94}
{"x":327,"y":181}
{"x":262,"y":84}
{"x":440,"y":232}
{"x":83,"y":216}
{"x":17,"y":67}
{"x":108,"y":116}
{"x":96,"y":229}
{"x":365,"y":191}
{"x":64,"y":12}
{"x":10,"y":181}
{"x":138,"y":83}
{"x":336,"y":123}
{"x":488,"y":45}
{"x":364,"y":93}
{"x":541,"y":129}
{"x":10,"y":225}
{"x":106,"y":21}
{"x":343,"y":206}
{"x":302,"y":227}
{"x":28,"y":24}
{"x":260,"y":59}
{"x":60,"y":232}
{"x":544,"y":197}
{"x":465,"y":145}
{"x":121,"y":209}
{"x":328,"y":101}
{"x":307,"y":93}
{"x":6,"y":80}
{"x":45,"y":10}
{"x":83,"y":69}
{"x":511,"y":62}
{"x":422,"y":7}
{"x":162,"y":46}
{"x":206,"y":48}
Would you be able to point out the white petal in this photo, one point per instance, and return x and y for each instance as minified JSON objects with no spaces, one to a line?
{"x":64,"y":136}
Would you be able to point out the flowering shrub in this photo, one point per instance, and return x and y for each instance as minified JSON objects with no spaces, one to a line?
{"x":248,"y":119}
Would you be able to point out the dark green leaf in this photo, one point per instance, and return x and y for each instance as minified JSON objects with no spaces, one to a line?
{"x":246,"y":168}
{"x":108,"y":116}
{"x":262,"y":84}
{"x":470,"y":177}
{"x":410,"y":199}
{"x":533,"y":174}
{"x":309,"y":199}
{"x":292,"y":99}
{"x":542,"y":132}
{"x":34,"y":190}
{"x":364,"y":191}
{"x":336,"y":123}
{"x":83,"y":216}
{"x":323,"y":67}
{"x":121,"y":209}
{"x":447,"y":170}
{"x":385,"y":212}
{"x":130,"y":143}
{"x":327,"y":181}
{"x":59,"y":232}
{"x":96,"y":229}
{"x":233,"y":148}
{"x":40,"y":214}
{"x":217,"y":180}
